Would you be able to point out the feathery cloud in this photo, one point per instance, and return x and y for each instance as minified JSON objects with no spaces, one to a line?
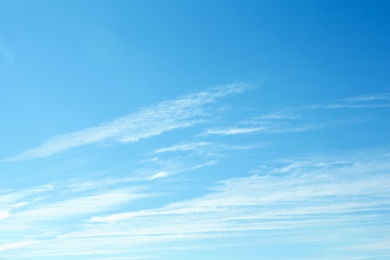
{"x":150,"y":121}
{"x":233,"y":131}
{"x":381,"y":100}
{"x":306,"y":193}
{"x":182,"y":147}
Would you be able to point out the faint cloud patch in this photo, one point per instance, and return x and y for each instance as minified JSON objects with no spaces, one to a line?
{"x":4,"y":214}
{"x":15,"y":245}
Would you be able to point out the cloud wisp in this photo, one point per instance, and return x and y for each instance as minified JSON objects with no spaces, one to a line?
{"x":301,"y":118}
{"x":381,"y":100}
{"x":305,"y":194}
{"x":148,"y":122}
{"x":233,"y":131}
{"x":40,"y":212}
{"x":183,"y":147}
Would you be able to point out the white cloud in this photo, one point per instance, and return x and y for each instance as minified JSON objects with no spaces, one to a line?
{"x":159,"y":175}
{"x":233,"y":131}
{"x":179,"y":168}
{"x":323,"y":193}
{"x":298,"y":119}
{"x":367,"y":101}
{"x":15,"y":245}
{"x":16,"y":196}
{"x":307,"y":184}
{"x":278,"y":116}
{"x":366,"y":98}
{"x":183,"y":147}
{"x":276,"y":128}
{"x":4,"y":214}
{"x":77,"y":206}
{"x":147,"y":122}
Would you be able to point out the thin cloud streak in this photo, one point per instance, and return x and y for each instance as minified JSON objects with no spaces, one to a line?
{"x":15,"y":196}
{"x":148,"y":122}
{"x":266,"y":129}
{"x":368,"y":101}
{"x":183,"y":168}
{"x":365,"y":98}
{"x":233,"y":131}
{"x":296,"y":119}
{"x":51,"y":206}
{"x":183,"y":147}
{"x":78,"y":206}
{"x":15,"y":245}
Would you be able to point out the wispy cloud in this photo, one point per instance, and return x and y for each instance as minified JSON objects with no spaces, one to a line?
{"x":180,"y":167}
{"x":293,"y":196}
{"x":159,"y":175}
{"x":77,"y":206}
{"x":320,"y":192}
{"x":15,"y":245}
{"x":285,"y":200}
{"x":381,"y":100}
{"x":39,"y":207}
{"x":4,"y":214}
{"x":301,"y":118}
{"x":233,"y":131}
{"x":266,"y":127}
{"x":9,"y":198}
{"x":304,"y":188}
{"x":183,"y":147}
{"x":368,"y":98}
{"x":150,"y":121}
{"x":189,"y":156}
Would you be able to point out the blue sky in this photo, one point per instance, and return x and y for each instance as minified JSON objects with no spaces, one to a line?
{"x":194,"y":129}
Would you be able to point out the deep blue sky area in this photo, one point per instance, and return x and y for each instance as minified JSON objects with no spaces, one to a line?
{"x":194,"y":129}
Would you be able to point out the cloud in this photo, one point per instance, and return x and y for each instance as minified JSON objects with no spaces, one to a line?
{"x":183,"y":147}
{"x":82,"y":185}
{"x":78,"y":206}
{"x":4,"y":214}
{"x":279,"y":115}
{"x":381,"y":100}
{"x":233,"y":131}
{"x":368,"y":98}
{"x":285,"y":202}
{"x":179,"y":167}
{"x":148,"y":122}
{"x":306,"y":198}
{"x":267,"y":128}
{"x":300,"y":194}
{"x":15,"y":196}
{"x":46,"y":208}
{"x":158,"y":175}
{"x":15,"y":245}
{"x":301,"y":118}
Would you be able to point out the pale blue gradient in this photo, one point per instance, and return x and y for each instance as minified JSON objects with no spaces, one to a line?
{"x":194,"y":129}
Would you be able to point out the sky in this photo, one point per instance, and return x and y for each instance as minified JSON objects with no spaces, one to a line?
{"x":195,"y":129}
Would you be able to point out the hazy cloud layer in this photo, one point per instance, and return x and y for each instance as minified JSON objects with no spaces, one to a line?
{"x":319,"y":197}
{"x":304,"y":194}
